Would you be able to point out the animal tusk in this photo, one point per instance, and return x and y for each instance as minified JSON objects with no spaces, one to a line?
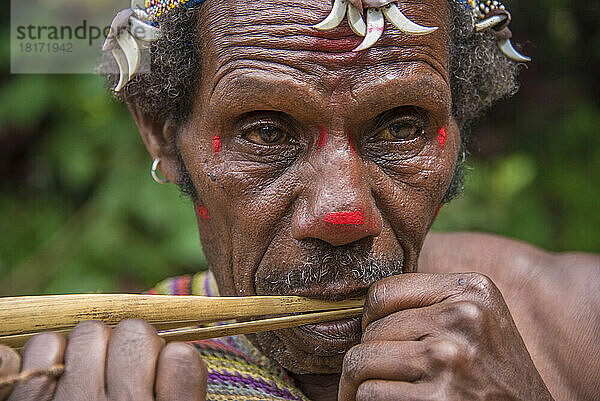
{"x":375,"y":25}
{"x":131,"y":49}
{"x":123,"y":68}
{"x":334,"y":18}
{"x":357,"y":24}
{"x":490,"y":22}
{"x":143,"y":31}
{"x":509,"y":51}
{"x":400,"y":21}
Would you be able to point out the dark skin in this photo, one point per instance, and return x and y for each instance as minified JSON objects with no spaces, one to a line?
{"x":523,"y":327}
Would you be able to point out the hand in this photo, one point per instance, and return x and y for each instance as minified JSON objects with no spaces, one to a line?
{"x":129,"y":362}
{"x":439,"y":337}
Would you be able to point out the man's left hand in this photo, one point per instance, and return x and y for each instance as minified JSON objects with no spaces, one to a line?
{"x":439,"y":337}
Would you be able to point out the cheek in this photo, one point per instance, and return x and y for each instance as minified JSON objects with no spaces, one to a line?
{"x":442,"y":136}
{"x":217,"y":144}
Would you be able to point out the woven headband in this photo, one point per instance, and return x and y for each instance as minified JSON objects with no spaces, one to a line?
{"x":135,"y":27}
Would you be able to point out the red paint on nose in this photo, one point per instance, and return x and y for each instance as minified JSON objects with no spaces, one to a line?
{"x":322,"y":137}
{"x":217,"y":143}
{"x":203,"y":212}
{"x":345,"y":217}
{"x":442,"y":136}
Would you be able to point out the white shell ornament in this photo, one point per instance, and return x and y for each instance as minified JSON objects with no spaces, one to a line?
{"x":129,"y":32}
{"x":375,"y":25}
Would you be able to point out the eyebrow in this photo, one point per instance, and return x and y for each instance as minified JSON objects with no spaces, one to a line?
{"x":249,"y":89}
{"x":428,"y":91}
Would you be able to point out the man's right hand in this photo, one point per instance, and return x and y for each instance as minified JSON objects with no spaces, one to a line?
{"x":129,"y":362}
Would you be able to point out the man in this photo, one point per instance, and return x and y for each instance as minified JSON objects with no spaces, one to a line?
{"x":317,"y":171}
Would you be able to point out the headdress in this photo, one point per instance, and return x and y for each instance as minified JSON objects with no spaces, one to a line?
{"x":135,"y":28}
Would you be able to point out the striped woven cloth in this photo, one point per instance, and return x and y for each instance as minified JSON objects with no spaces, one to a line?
{"x":236,"y":369}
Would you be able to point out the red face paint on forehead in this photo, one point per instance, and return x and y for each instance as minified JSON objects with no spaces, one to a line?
{"x":217,"y":143}
{"x":442,"y":136}
{"x":322,"y":137}
{"x":345,"y":217}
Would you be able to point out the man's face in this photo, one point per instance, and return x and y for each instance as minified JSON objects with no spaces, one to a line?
{"x":319,"y":169}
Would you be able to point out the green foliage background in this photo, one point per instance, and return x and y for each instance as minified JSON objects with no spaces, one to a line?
{"x":80,"y":213}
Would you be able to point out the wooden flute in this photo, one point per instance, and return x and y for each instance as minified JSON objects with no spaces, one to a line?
{"x":176,"y":318}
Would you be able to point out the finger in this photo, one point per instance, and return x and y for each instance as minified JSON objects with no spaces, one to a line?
{"x":461,"y":318}
{"x":84,"y":363}
{"x":41,"y":352}
{"x":384,"y":390}
{"x":382,"y":360}
{"x":416,"y":290}
{"x":10,"y":364}
{"x":132,"y":352}
{"x":181,"y":374}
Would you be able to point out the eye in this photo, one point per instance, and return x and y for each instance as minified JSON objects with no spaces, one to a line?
{"x":266,"y":135}
{"x":399,"y":131}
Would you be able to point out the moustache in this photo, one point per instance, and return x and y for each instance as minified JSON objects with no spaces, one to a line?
{"x":322,"y":264}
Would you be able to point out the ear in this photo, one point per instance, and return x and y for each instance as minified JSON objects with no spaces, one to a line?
{"x":160,"y":140}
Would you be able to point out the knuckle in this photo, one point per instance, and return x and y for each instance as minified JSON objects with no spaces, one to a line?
{"x":376,"y":300}
{"x":375,"y":330}
{"x":480,"y":286}
{"x":134,"y":327}
{"x":183,"y":355}
{"x":366,"y":391}
{"x":10,"y":361}
{"x":89,"y":328}
{"x":468,"y":314}
{"x":46,"y":340}
{"x":446,"y":353}
{"x":353,"y":363}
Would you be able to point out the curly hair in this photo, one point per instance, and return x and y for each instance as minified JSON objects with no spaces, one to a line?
{"x":480,"y":75}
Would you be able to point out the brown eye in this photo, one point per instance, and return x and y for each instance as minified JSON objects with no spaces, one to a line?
{"x":267,"y":135}
{"x":398,"y":130}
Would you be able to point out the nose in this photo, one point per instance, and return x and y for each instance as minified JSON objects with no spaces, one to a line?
{"x":337,"y":206}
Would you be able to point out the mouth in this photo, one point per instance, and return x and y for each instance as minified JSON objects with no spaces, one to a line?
{"x":332,"y":336}
{"x":337,"y":333}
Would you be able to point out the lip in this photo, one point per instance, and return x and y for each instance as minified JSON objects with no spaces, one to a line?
{"x":338,"y":334}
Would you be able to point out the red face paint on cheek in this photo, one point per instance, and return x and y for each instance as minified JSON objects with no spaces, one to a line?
{"x":322,"y":137}
{"x":217,"y":143}
{"x":351,"y":142}
{"x":203,"y":212}
{"x":442,"y":136}
{"x":437,"y":211}
{"x":345,"y":217}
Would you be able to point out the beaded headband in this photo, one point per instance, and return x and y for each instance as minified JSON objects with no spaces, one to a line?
{"x":135,"y":28}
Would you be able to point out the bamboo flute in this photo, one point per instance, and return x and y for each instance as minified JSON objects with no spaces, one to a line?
{"x":22,"y":317}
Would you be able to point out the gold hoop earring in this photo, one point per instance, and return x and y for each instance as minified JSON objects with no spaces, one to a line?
{"x":154,"y":172}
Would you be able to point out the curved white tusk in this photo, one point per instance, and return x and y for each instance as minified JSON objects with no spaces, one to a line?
{"x":139,"y":4}
{"x":489,"y":22}
{"x":123,"y":69}
{"x":405,"y":25}
{"x":375,"y":25}
{"x":357,"y":24}
{"x":143,"y":31}
{"x":334,"y":18}
{"x":509,"y":51}
{"x":131,"y":49}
